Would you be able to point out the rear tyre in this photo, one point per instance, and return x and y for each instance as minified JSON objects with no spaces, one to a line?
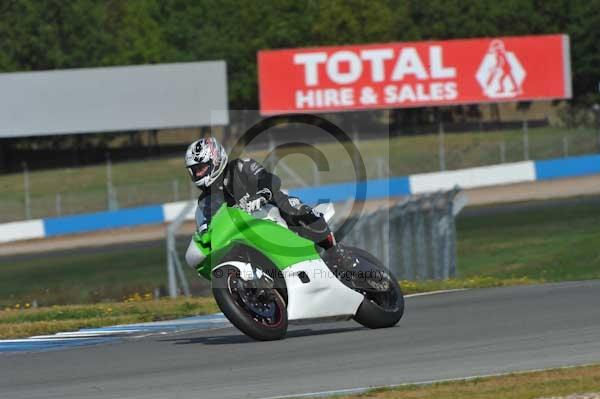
{"x":382,"y":308}
{"x":260,"y":314}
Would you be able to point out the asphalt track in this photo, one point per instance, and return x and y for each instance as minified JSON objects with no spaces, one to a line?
{"x":453,"y":335}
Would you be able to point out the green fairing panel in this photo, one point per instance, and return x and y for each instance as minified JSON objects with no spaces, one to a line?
{"x":232,"y":226}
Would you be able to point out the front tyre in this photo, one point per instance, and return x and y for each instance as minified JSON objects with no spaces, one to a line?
{"x":383,"y":305}
{"x":258,"y":313}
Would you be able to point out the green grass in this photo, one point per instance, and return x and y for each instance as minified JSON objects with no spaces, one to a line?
{"x":538,"y":245}
{"x":540,"y":384}
{"x":136,"y":309}
{"x":147,"y":182}
{"x":94,"y":276}
{"x":550,"y":244}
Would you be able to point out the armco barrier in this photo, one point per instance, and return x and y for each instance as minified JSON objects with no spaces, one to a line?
{"x":373,"y":189}
{"x":473,"y":177}
{"x":567,"y":167}
{"x":26,"y":230}
{"x":518,"y":172}
{"x":103,"y":220}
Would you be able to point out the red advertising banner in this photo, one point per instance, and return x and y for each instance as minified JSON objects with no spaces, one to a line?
{"x":414,"y":74}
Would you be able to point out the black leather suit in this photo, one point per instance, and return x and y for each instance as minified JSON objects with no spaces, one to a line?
{"x":246,"y":180}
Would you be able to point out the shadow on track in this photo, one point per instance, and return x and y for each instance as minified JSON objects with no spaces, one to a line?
{"x":242,"y":339}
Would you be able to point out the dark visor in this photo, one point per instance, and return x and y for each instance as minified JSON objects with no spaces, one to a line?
{"x":200,"y":170}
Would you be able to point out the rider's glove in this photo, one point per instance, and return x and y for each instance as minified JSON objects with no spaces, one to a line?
{"x":254,"y":204}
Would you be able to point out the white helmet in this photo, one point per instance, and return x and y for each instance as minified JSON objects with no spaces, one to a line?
{"x":205,"y":159}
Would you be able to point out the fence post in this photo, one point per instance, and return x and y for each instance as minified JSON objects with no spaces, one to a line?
{"x":565,"y":146}
{"x":58,"y":204}
{"x":420,"y":238}
{"x":108,"y":182}
{"x":175,"y":190}
{"x":452,"y":248}
{"x":442,"y":146}
{"x":171,"y":265}
{"x":448,"y":236}
{"x":111,"y":199}
{"x":27,"y":192}
{"x":395,"y":232}
{"x":459,"y":201}
{"x":174,"y":269}
{"x":434,"y":271}
{"x":525,"y":140}
{"x":503,"y":152}
{"x":406,"y":217}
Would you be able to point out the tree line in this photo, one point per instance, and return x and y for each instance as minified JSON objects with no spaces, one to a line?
{"x":53,"y":34}
{"x":58,"y":34}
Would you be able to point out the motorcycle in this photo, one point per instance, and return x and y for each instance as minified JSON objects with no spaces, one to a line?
{"x":265,"y":276}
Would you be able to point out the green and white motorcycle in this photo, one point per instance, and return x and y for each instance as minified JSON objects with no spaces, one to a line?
{"x":265,"y":275}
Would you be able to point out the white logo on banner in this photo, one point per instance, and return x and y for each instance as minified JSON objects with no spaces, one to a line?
{"x":500,"y":74}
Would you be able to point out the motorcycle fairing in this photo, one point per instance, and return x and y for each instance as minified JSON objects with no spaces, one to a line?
{"x":231,"y":226}
{"x":313,"y":290}
{"x":322,"y":296}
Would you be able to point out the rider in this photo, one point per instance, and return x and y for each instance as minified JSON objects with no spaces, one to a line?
{"x":245,"y":184}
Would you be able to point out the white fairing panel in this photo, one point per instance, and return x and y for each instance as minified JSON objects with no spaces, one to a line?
{"x":270,"y":212}
{"x":246,"y":271}
{"x":326,"y":210}
{"x":323,"y":296}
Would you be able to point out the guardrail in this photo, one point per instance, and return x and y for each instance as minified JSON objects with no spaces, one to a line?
{"x":414,"y":238}
{"x":518,"y":172}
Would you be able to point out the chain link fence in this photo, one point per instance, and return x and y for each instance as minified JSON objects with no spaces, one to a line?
{"x":415,"y":238}
{"x":59,"y":203}
{"x":50,"y":193}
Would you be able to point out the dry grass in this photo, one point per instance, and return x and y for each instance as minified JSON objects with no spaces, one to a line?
{"x":27,"y":322}
{"x":413,"y":287}
{"x":543,"y":384}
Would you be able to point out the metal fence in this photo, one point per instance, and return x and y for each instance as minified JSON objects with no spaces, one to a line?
{"x":415,"y":238}
{"x":51,"y":193}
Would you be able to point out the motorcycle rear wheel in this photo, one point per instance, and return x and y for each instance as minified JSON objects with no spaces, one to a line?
{"x":259,"y":317}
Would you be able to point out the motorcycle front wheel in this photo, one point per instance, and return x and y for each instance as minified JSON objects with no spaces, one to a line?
{"x":259,"y":313}
{"x":383,"y":305}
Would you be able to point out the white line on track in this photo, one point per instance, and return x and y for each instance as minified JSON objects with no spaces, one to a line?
{"x":84,"y":334}
{"x":435,"y":292}
{"x":357,"y":391}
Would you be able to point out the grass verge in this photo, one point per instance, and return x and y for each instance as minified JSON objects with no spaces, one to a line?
{"x":92,"y":275}
{"x":16,"y":323}
{"x":548,"y":243}
{"x":417,"y":287}
{"x":539,"y":384}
